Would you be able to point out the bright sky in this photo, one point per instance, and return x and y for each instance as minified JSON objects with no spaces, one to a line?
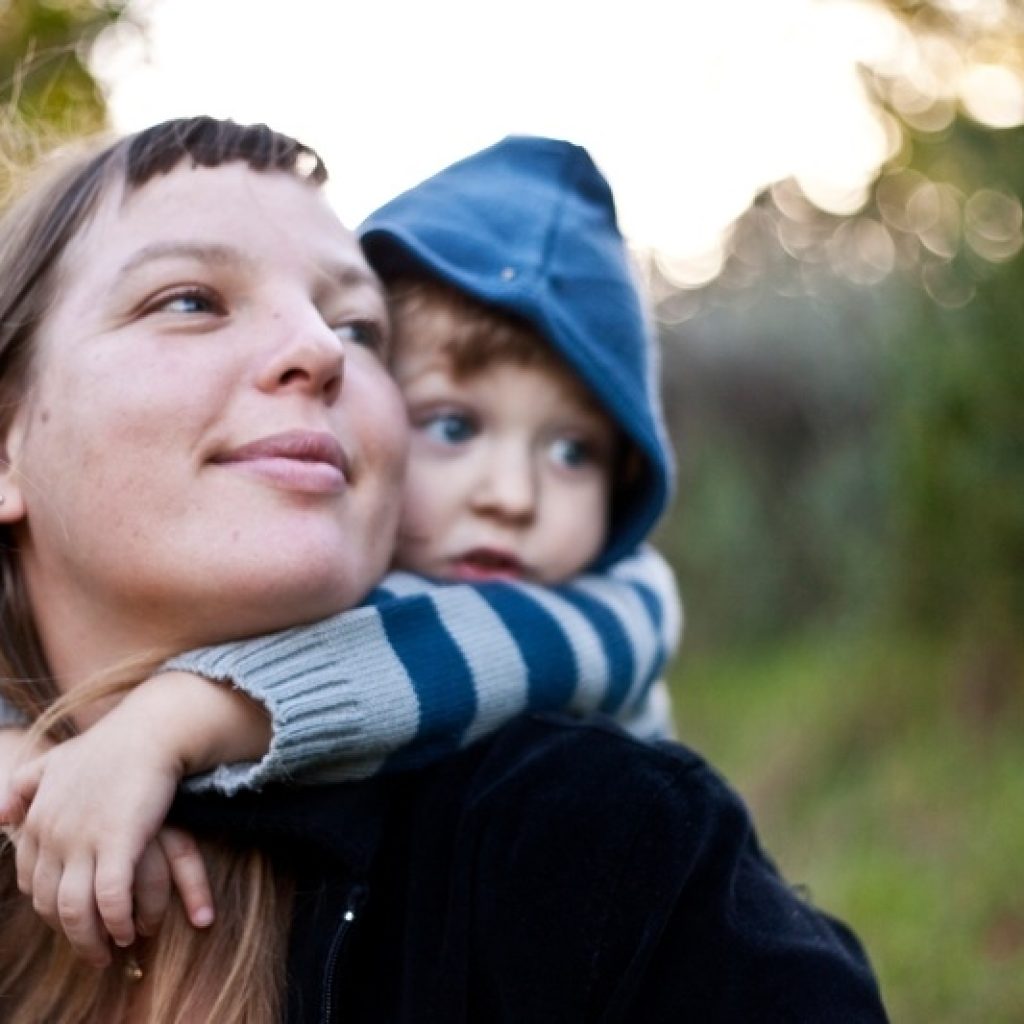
{"x":689,"y":106}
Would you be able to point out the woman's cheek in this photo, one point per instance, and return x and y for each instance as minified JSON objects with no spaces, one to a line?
{"x":384,"y":441}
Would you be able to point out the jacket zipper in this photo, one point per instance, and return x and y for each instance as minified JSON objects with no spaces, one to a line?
{"x":353,"y":904}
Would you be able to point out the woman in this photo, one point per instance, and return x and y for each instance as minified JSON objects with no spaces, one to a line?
{"x":201,"y":442}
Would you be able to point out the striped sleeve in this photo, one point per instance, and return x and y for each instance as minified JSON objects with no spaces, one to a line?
{"x":423,"y":668}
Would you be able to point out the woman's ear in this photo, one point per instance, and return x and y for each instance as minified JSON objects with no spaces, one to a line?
{"x":12,"y":495}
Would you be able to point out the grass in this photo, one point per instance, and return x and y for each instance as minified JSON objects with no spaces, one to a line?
{"x":901,"y":810}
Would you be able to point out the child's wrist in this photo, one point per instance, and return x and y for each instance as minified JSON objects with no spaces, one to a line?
{"x":202,"y":723}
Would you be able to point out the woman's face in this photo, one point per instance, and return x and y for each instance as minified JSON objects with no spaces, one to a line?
{"x":211,"y":446}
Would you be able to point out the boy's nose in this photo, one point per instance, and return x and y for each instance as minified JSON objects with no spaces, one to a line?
{"x":507,"y":486}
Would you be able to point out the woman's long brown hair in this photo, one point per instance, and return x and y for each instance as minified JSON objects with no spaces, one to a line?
{"x":233,"y":972}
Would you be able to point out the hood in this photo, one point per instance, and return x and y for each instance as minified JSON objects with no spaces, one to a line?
{"x":528,"y":226}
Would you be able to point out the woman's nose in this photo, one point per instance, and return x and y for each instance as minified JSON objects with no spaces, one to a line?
{"x":307,"y":357}
{"x":507,"y":485}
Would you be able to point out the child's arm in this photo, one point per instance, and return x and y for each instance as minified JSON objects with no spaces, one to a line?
{"x":96,"y":806}
{"x":432,"y":667}
{"x":12,"y":752}
{"x":426,"y":668}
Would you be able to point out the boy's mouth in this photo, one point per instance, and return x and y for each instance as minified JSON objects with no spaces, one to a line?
{"x":482,"y":564}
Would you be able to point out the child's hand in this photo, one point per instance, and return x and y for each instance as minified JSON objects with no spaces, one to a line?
{"x":93,"y":806}
{"x":171,"y":858}
{"x":14,"y":749}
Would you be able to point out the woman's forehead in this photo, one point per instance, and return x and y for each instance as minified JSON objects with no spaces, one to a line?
{"x":268,"y":215}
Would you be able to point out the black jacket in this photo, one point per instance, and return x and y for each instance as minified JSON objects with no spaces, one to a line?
{"x":556,"y":872}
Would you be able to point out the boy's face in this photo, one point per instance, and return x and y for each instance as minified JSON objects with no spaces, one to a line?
{"x":509,"y":472}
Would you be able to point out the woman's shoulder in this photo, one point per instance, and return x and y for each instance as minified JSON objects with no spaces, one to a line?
{"x":579,"y":803}
{"x":590,"y":761}
{"x":559,"y":790}
{"x":645,"y":869}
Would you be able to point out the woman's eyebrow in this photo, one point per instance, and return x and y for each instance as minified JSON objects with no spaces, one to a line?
{"x":347,"y":275}
{"x":205,"y":252}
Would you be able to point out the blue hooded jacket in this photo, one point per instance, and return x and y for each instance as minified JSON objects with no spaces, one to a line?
{"x":528,"y":226}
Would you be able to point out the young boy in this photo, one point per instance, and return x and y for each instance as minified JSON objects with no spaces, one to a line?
{"x":524,"y":355}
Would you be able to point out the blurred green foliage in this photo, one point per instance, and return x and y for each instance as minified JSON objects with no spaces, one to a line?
{"x":784,"y":515}
{"x":874,"y":793}
{"x":958,"y":446}
{"x":43,"y":53}
{"x":853,"y":451}
{"x":847,"y":399}
{"x":47,"y":91}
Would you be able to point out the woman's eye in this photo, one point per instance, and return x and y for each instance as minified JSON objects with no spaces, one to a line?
{"x":188,"y":302}
{"x":571,"y":452}
{"x":366,"y":333}
{"x":450,"y":428}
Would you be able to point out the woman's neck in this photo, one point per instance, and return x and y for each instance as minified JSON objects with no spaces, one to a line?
{"x":86,"y":642}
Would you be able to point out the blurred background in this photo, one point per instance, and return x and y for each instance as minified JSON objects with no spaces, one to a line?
{"x":825,"y":199}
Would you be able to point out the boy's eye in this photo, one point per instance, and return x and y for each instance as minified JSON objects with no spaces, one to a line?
{"x":571,"y":452}
{"x":366,"y":333}
{"x":450,"y":427}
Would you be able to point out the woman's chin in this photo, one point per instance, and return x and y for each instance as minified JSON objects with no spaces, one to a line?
{"x":255,"y":611}
{"x":281,"y":592}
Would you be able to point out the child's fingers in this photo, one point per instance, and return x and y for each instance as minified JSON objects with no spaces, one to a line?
{"x":25,"y":862}
{"x":79,"y":918}
{"x":152,"y":889}
{"x":188,"y":872}
{"x":114,"y":878}
{"x":25,"y":780}
{"x":46,"y":876}
{"x":12,"y":808}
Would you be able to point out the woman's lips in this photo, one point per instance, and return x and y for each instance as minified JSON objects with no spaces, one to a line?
{"x":483,"y":564}
{"x":297,"y":460}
